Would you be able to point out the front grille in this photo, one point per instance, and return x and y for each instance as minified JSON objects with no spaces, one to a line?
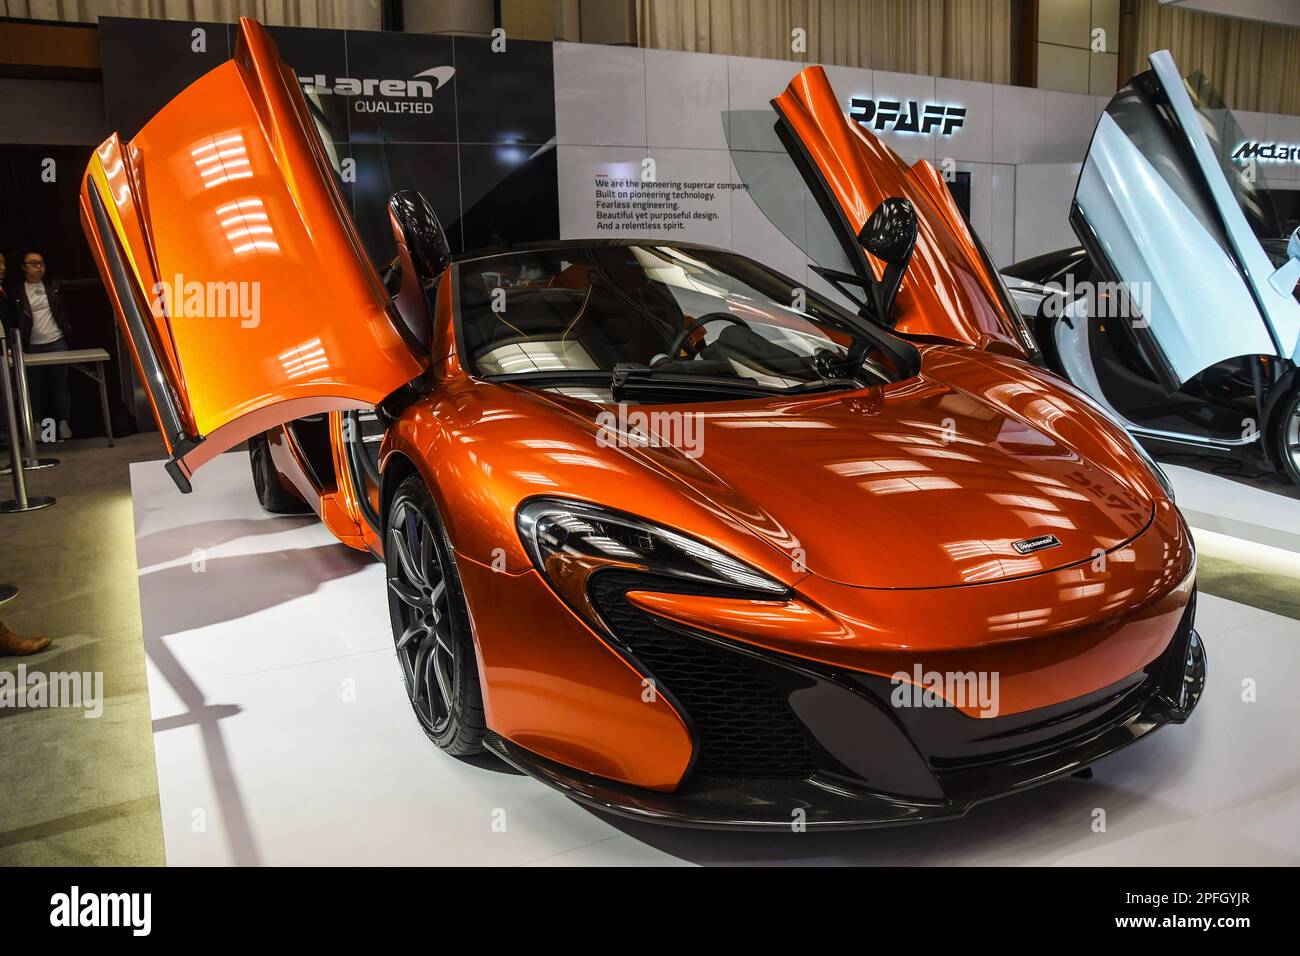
{"x":957,"y":742}
{"x":1005,"y":740}
{"x":743,"y":726}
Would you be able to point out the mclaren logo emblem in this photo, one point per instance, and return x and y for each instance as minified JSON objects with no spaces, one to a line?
{"x":375,"y":95}
{"x":1280,"y":152}
{"x":1030,"y":545}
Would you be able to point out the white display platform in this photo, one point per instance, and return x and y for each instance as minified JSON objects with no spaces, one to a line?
{"x":283,"y":736}
{"x":1236,"y":509}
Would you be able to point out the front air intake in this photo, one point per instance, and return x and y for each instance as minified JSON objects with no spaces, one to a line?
{"x":743,"y":726}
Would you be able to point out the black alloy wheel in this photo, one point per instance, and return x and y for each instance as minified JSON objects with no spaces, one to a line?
{"x":430,"y":622}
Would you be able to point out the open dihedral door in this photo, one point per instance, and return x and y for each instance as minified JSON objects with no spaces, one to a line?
{"x":951,"y":289}
{"x":1160,"y":207}
{"x":233,"y":266}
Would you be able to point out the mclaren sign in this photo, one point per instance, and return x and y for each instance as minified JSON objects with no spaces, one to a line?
{"x":1276,"y":152}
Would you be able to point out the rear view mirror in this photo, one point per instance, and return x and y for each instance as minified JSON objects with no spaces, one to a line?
{"x":424,"y":254}
{"x":1285,"y":278}
{"x":889,"y":234}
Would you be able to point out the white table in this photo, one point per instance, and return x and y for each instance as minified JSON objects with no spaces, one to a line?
{"x":89,"y":362}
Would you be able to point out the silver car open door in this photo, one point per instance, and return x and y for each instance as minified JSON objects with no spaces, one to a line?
{"x":1174,"y":221}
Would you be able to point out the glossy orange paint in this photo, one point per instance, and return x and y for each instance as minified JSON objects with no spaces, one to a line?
{"x":553,"y":685}
{"x":932,"y":580}
{"x":941,"y":483}
{"x":1050,"y":637}
{"x":241,"y":250}
{"x":946,"y":291}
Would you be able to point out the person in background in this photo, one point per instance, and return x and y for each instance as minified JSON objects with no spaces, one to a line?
{"x":12,"y":643}
{"x":39,"y":312}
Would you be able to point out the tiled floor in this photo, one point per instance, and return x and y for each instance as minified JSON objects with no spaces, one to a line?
{"x":283,"y":735}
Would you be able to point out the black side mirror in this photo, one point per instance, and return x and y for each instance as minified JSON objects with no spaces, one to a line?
{"x":889,"y":234}
{"x":424,"y":255}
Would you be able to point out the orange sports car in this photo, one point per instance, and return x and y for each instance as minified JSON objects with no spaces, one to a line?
{"x":664,"y":530}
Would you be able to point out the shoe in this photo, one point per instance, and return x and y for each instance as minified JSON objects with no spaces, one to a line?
{"x":17,"y":645}
{"x":64,"y":431}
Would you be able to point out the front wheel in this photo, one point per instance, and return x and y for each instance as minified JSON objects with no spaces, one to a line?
{"x":1288,"y":436}
{"x":430,"y":619}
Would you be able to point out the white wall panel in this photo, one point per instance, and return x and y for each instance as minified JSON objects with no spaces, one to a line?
{"x":689,"y":101}
{"x":1018,"y":135}
{"x":752,"y":84}
{"x":1002,"y":202}
{"x":973,"y":141}
{"x":981,"y":199}
{"x":1068,"y":122}
{"x":1043,"y":196}
{"x":600,"y":96}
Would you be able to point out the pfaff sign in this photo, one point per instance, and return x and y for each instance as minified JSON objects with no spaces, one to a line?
{"x":899,"y":116}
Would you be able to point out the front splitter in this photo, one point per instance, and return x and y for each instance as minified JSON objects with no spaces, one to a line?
{"x":823,"y":803}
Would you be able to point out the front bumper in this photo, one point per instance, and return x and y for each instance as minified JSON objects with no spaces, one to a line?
{"x":868,"y":763}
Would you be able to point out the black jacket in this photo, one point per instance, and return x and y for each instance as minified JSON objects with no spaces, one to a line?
{"x":19,"y":311}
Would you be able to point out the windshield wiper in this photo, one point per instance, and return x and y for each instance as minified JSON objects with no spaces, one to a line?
{"x":629,"y":380}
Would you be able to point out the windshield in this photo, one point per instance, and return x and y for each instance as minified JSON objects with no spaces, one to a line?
{"x":675,"y":310}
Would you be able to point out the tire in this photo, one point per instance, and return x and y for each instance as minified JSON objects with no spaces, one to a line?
{"x":271,"y":492}
{"x":1287,"y":436}
{"x":430,"y":620}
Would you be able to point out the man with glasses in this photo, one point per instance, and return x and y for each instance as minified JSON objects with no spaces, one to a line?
{"x":37,"y":307}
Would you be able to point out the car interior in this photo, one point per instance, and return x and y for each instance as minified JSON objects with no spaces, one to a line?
{"x":593,"y":308}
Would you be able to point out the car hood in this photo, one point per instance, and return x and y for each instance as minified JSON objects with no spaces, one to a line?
{"x":922,"y":484}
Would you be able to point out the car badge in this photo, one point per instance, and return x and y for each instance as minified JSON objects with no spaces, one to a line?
{"x":1030,"y":545}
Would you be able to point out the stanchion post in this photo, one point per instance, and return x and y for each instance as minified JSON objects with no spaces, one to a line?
{"x":24,"y":407}
{"x":20,"y":500}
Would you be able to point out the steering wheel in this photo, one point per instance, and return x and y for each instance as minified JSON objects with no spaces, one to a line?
{"x":694,"y":324}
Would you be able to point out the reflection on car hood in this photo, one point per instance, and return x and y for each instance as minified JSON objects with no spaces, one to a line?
{"x":926,"y":483}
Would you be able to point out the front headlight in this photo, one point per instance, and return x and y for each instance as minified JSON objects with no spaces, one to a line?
{"x":571,"y":540}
